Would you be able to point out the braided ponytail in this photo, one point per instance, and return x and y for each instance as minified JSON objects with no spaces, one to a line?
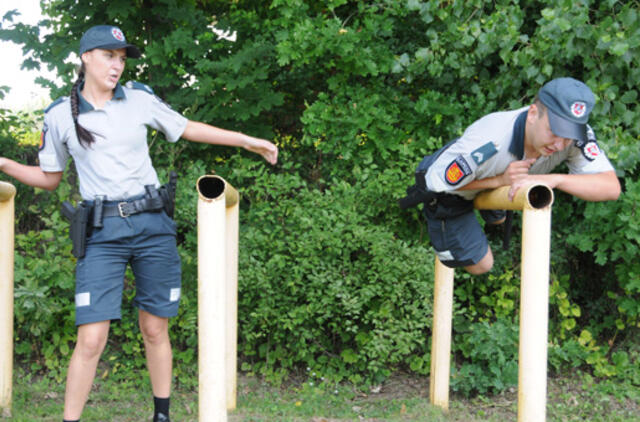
{"x":84,"y":136}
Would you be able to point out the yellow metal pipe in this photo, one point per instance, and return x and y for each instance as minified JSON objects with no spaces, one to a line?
{"x":535,"y":202}
{"x":533,"y":196}
{"x":231,"y":332}
{"x":7,"y":212}
{"x":441,"y":336}
{"x":534,"y":315}
{"x":217,"y":296}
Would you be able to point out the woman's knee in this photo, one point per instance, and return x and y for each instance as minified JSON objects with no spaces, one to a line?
{"x":92,"y":339}
{"x":154,"y":329}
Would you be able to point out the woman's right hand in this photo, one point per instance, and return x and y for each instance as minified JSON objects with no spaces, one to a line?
{"x":266,"y":149}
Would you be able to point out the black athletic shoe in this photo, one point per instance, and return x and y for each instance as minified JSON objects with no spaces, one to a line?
{"x":161,"y":417}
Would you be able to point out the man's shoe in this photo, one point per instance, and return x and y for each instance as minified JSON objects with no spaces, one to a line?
{"x":161,"y":417}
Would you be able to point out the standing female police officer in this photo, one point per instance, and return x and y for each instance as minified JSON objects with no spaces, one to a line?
{"x":103,"y":126}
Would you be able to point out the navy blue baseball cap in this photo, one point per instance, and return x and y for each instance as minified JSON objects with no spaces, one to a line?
{"x":569,"y":103}
{"x":108,"y":37}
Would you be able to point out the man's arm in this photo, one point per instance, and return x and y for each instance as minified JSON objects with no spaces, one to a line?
{"x":515,"y":171}
{"x":602,"y":186}
{"x":31,"y":175}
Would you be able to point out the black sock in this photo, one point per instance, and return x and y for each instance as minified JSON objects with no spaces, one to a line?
{"x":161,"y":406}
{"x":67,"y":420}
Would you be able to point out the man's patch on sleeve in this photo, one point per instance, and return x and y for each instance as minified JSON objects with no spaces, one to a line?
{"x":590,"y":150}
{"x":483,"y":153}
{"x":457,"y":170}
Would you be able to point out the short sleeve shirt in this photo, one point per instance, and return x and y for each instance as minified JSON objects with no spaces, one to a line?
{"x":117,"y":164}
{"x":490,"y":144}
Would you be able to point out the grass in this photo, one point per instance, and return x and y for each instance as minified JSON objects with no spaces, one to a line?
{"x":401,"y":398}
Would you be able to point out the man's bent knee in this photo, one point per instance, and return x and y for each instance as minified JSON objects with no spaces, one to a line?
{"x":483,"y":266}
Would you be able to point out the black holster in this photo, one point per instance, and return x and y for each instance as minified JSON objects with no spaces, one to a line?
{"x":79,"y":219}
{"x":168,"y":194}
{"x":447,"y":205}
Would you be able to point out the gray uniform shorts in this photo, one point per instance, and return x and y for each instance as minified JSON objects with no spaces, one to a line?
{"x":146,"y":241}
{"x":459,"y":241}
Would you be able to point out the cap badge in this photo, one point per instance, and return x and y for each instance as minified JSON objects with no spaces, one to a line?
{"x":117,"y":34}
{"x":578,"y":108}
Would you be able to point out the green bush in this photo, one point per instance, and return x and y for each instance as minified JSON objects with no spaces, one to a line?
{"x":317,"y":287}
{"x":490,"y":352}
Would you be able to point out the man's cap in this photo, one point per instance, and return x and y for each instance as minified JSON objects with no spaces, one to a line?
{"x":108,"y":37}
{"x":569,"y":103}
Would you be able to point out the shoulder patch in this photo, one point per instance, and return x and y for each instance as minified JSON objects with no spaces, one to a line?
{"x":43,"y":136}
{"x":55,"y":103}
{"x":590,"y":150}
{"x":139,"y":85}
{"x":483,"y":153}
{"x":457,"y":170}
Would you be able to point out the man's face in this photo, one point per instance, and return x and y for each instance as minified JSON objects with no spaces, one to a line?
{"x":542,"y":140}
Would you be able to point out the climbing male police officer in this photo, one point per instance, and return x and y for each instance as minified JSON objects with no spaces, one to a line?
{"x":510,"y":148}
{"x":103,"y":127}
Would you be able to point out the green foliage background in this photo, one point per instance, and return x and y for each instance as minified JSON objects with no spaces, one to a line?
{"x":333,"y":276}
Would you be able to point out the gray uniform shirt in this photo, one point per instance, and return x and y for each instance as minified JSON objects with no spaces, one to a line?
{"x":486,"y":148}
{"x":117,"y":164}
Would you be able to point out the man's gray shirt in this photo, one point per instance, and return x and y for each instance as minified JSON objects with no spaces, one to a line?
{"x":490,"y":144}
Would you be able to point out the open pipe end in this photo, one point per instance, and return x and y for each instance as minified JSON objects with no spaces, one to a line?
{"x":540,"y":196}
{"x":210,"y":187}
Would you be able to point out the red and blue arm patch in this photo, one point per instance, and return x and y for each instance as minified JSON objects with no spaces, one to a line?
{"x":457,"y":170}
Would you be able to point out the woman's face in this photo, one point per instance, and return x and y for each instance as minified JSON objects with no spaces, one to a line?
{"x":103,"y":68}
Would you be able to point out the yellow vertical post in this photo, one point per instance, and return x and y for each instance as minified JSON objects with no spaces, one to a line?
{"x":441,"y":336}
{"x":535,"y":202}
{"x":231,"y":332}
{"x":534,"y":315}
{"x":217,"y":263}
{"x":7,"y":210}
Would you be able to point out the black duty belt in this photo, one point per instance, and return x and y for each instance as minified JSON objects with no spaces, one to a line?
{"x":126,"y":208}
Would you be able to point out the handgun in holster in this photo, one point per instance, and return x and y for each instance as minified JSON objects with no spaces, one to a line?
{"x":79,"y":222}
{"x":168,"y":193}
{"x":417,"y":193}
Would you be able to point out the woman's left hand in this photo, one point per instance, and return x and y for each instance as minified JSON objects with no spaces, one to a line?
{"x":263,"y":147}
